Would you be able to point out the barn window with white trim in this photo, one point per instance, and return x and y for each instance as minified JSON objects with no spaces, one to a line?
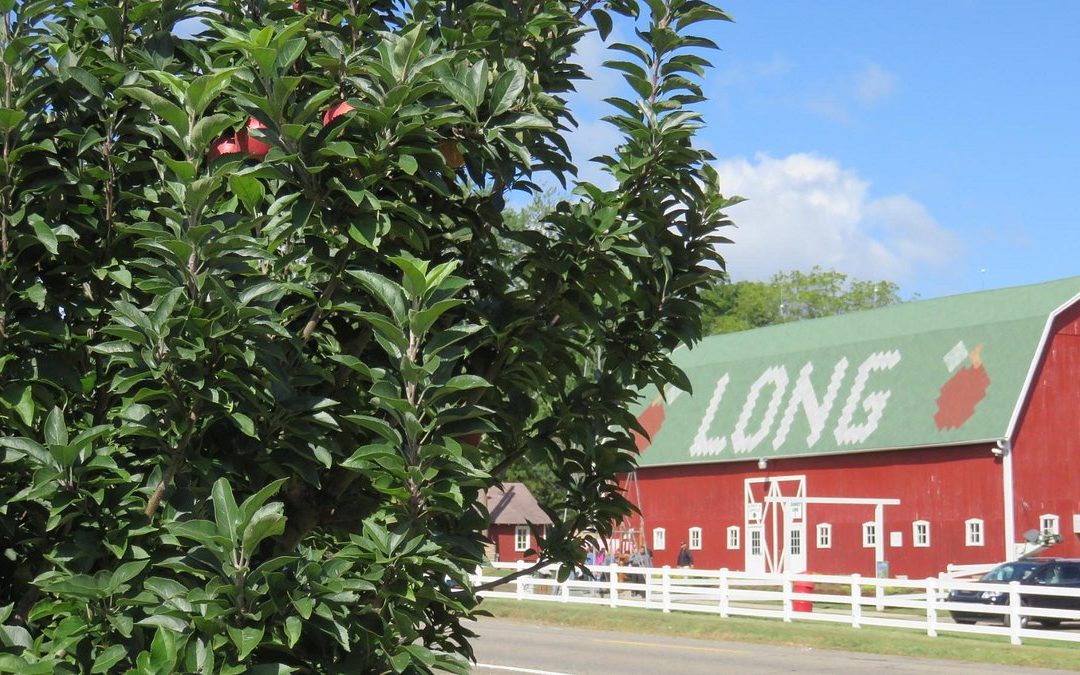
{"x":920,"y":533}
{"x":824,"y":535}
{"x":755,"y":541}
{"x":973,"y":532}
{"x":695,"y":538}
{"x":869,"y":534}
{"x":795,"y":537}
{"x":521,"y":538}
{"x":733,"y":538}
{"x":1048,"y":522}
{"x":659,"y":538}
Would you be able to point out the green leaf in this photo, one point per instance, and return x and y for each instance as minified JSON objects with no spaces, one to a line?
{"x":25,"y":404}
{"x":108,"y":658}
{"x":385,"y":291}
{"x":163,"y":651}
{"x":408,"y":164}
{"x":268,"y":521}
{"x":166,"y":110}
{"x":56,"y":432}
{"x":226,"y":512}
{"x":9,"y":119}
{"x":248,"y":189}
{"x":27,"y":446}
{"x":507,"y":89}
{"x":245,"y":639}
{"x":207,"y":130}
{"x":204,"y":89}
{"x":293,"y":629}
{"x":44,"y":234}
{"x":244,"y":423}
{"x":256,"y":501}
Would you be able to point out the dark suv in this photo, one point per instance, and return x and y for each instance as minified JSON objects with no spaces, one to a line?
{"x":1050,"y":572}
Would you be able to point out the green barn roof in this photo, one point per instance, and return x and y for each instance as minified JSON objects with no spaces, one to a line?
{"x":938,"y":372}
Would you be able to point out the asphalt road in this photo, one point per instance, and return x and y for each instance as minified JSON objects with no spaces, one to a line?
{"x":512,"y":647}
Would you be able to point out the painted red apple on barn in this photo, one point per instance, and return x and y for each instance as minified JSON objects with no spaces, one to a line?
{"x":650,"y":420}
{"x":964,"y":390}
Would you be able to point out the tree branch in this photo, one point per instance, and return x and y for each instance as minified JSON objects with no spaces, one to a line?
{"x":512,"y":576}
{"x":177,"y":457}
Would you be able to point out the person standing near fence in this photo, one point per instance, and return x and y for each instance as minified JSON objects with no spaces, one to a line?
{"x":685,"y":559}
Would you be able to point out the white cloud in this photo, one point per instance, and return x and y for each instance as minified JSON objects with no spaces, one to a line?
{"x":865,"y":89}
{"x":874,"y":84}
{"x":804,"y":210}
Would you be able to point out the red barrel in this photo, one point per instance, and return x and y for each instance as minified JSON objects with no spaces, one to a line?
{"x":802,"y":605}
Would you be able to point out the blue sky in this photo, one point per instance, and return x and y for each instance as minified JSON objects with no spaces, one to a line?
{"x":918,"y":142}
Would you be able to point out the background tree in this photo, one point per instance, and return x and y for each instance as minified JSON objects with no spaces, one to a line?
{"x":791,"y":296}
{"x":261,"y":339}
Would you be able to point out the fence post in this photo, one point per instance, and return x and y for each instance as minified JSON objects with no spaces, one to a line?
{"x":478,"y":576}
{"x":520,"y":581}
{"x":786,"y":591}
{"x":1014,"y":612}
{"x":613,"y":581}
{"x":931,"y":606}
{"x":665,"y":586}
{"x":879,"y":594}
{"x":725,"y":589}
{"x":856,"y":600}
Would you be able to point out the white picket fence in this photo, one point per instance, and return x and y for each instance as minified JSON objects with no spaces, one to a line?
{"x":897,"y":603}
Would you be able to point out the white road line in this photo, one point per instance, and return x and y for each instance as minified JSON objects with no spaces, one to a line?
{"x":515,"y":669}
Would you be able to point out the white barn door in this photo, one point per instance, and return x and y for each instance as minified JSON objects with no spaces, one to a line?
{"x":775,"y":511}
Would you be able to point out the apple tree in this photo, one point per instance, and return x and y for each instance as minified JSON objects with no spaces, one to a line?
{"x":265,"y":335}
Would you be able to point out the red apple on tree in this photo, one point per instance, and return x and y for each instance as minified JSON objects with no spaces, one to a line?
{"x":335,"y":111}
{"x":299,"y":6}
{"x":252,"y":146}
{"x":226,"y":145}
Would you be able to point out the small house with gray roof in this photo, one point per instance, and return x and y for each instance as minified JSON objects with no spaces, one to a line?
{"x":516,"y":519}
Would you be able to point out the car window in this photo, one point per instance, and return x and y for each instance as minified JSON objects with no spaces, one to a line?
{"x":1010,"y":572}
{"x":1051,"y":574}
{"x":1070,"y":574}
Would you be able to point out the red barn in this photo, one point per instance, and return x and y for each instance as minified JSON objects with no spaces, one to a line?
{"x":900,"y":439}
{"x":514,"y":517}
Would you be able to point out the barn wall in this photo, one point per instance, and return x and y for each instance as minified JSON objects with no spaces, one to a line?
{"x":1046,"y":450}
{"x":945,"y":486}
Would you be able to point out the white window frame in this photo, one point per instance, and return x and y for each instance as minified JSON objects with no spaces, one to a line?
{"x":695,"y":539}
{"x":756,"y":542}
{"x":920,"y":533}
{"x":733,"y":536}
{"x":522,"y":537}
{"x":1049,"y":522}
{"x":824,"y":535}
{"x":659,"y":538}
{"x":796,"y":543}
{"x":869,"y":534}
{"x":974,"y":532}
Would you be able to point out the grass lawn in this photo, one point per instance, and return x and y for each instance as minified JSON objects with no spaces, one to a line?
{"x":870,"y":639}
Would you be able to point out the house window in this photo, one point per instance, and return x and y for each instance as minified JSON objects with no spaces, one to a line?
{"x":659,"y":538}
{"x":824,"y":535}
{"x":755,"y":542}
{"x":920,"y":533}
{"x":973,"y":532}
{"x":1049,"y":523}
{"x":521,"y":538}
{"x":795,"y":541}
{"x":733,"y":537}
{"x":695,"y":538}
{"x":869,"y":534}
